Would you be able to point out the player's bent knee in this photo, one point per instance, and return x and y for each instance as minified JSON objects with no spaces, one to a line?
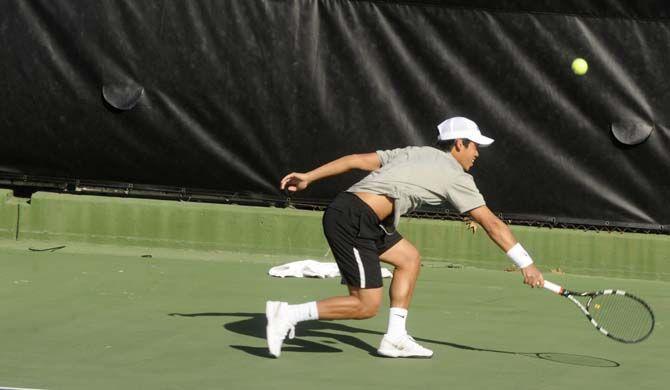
{"x":413,"y":260}
{"x":416,"y":259}
{"x":367,"y":309}
{"x":366,"y":312}
{"x":403,"y":256}
{"x":367,"y":302}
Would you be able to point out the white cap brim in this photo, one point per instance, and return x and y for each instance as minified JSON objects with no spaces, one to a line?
{"x":481,"y":140}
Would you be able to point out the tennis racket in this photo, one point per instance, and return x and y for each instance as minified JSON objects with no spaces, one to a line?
{"x":617,"y":314}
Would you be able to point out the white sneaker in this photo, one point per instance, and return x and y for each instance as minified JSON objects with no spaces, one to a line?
{"x":405,"y":347}
{"x":278,"y":326}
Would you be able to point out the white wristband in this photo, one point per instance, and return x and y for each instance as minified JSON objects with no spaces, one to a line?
{"x":519,"y":256}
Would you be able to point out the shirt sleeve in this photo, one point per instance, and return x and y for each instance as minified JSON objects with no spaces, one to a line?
{"x":386,"y":156}
{"x":464,"y":194}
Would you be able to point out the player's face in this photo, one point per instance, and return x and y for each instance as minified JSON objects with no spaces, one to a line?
{"x":470,"y":154}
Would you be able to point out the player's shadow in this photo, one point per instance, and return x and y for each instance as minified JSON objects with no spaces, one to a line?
{"x":253,"y":324}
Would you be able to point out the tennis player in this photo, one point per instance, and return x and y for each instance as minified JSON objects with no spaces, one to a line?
{"x":360,"y":226}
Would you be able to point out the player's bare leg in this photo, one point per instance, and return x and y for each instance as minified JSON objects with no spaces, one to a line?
{"x":282,"y":317}
{"x":407,"y":262}
{"x":361,"y":303}
{"x":396,"y":342}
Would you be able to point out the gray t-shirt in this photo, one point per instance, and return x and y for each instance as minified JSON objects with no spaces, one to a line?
{"x":418,"y":175}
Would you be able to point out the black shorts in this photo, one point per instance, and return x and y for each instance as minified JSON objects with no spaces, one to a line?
{"x":357,"y":238}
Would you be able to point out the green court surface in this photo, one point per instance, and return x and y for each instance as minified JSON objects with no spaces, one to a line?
{"x":106,"y":317}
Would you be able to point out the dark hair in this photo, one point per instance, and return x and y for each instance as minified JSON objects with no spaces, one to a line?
{"x":447,"y":145}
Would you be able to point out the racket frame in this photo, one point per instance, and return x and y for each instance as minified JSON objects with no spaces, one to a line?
{"x":555,"y":288}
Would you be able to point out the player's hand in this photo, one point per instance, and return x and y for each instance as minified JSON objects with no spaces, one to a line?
{"x":532,"y":276}
{"x":294,"y":182}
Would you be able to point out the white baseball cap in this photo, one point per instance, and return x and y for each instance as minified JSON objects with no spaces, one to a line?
{"x":460,"y":127}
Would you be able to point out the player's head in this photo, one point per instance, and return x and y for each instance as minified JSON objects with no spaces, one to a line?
{"x":461,"y":137}
{"x":463,"y":128}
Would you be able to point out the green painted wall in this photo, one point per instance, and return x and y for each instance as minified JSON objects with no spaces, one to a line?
{"x":9,"y":209}
{"x":145,"y":222}
{"x":641,"y":256}
{"x":123,"y":221}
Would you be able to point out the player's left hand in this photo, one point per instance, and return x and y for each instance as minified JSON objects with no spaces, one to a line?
{"x":294,"y":182}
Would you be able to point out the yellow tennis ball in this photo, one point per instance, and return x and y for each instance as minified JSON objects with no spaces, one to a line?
{"x":580,"y":66}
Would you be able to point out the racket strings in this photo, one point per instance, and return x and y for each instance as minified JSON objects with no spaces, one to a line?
{"x":622,"y":316}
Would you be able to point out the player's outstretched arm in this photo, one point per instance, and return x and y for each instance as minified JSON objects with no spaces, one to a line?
{"x":500,"y":233}
{"x":296,"y":181}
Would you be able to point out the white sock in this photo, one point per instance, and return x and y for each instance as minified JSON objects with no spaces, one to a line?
{"x":397,"y":319}
{"x":303,"y":312}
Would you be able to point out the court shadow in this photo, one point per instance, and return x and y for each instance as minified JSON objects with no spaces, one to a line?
{"x":555,"y":357}
{"x":253,"y":325}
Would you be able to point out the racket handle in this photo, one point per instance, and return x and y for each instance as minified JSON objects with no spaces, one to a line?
{"x":553,"y":287}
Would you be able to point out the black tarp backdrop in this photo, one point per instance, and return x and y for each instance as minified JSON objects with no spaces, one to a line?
{"x":238,"y":93}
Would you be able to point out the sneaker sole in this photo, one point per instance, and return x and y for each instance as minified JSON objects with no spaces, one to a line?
{"x":391,"y":355}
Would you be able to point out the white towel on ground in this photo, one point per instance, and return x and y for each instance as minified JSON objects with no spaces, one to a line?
{"x":312,"y":269}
